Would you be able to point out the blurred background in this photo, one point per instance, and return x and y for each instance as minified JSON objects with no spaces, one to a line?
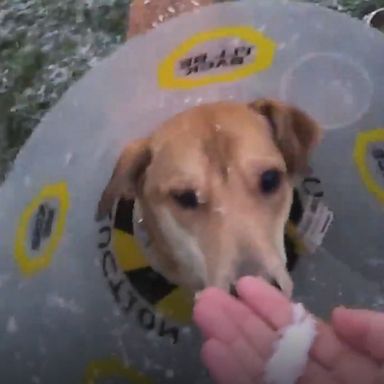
{"x":46,"y":45}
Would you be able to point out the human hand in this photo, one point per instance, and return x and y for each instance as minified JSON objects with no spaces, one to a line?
{"x":240,"y":335}
{"x":363,"y":330}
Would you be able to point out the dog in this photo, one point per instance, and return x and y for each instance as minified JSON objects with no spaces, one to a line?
{"x":213,"y":189}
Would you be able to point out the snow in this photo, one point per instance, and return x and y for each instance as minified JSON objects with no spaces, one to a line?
{"x":56,"y":301}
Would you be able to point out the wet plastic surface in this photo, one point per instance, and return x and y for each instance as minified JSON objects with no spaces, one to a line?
{"x":76,"y":308}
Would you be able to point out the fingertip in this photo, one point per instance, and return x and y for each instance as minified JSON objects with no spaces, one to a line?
{"x":349,"y":326}
{"x":204,"y":301}
{"x":202,"y":310}
{"x":250,"y":283}
{"x":361,"y":328}
{"x":266,"y":301}
{"x":212,"y":320}
{"x":347,"y":320}
{"x":209,"y":293}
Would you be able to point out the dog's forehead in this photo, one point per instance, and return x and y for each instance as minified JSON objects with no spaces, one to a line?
{"x":219,"y":124}
{"x":213,"y":138}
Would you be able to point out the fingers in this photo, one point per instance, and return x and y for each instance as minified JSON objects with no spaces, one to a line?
{"x":337,"y":357}
{"x":265,"y":301}
{"x":208,"y":313}
{"x":353,"y":368}
{"x":235,"y":309}
{"x":330,"y":360}
{"x":222,"y":364}
{"x":326,"y":349}
{"x":342,"y":363}
{"x":362,"y":329}
{"x":213,"y":320}
{"x":249,"y":338}
{"x":257,"y":333}
{"x":246,"y":339}
{"x":316,"y":374}
{"x":231,"y":323}
{"x":252,"y":364}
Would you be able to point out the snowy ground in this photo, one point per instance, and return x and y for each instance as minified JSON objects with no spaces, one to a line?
{"x":46,"y":45}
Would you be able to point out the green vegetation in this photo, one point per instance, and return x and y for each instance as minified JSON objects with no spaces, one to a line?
{"x":45,"y":45}
{"x":359,"y":8}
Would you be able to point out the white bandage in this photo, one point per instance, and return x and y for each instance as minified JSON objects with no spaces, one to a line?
{"x":288,"y":362}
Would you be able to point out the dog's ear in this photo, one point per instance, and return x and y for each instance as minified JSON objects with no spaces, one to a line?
{"x":127,"y":176}
{"x":295,"y":133}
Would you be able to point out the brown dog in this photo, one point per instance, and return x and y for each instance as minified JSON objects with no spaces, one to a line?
{"x":213,"y":189}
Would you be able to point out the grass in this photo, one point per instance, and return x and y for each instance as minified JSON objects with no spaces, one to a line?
{"x":46,"y":45}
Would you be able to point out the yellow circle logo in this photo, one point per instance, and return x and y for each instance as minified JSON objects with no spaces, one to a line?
{"x":369,"y":158}
{"x":40,"y":229}
{"x":104,"y":370}
{"x":222,"y":55}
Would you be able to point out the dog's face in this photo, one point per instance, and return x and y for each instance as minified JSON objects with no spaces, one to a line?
{"x":215,"y":186}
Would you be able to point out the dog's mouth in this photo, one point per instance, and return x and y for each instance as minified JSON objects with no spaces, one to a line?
{"x":233,"y":291}
{"x":273,"y":279}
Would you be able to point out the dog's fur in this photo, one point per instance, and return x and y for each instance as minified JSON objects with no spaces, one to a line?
{"x":198,"y":182}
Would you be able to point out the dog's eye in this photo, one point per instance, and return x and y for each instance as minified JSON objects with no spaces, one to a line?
{"x":187,"y":199}
{"x":270,"y":181}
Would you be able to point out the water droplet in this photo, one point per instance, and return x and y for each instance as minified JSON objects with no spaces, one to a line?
{"x":169,"y":373}
{"x":27,"y":181}
{"x":171,"y":9}
{"x":68,"y":158}
{"x":12,"y":325}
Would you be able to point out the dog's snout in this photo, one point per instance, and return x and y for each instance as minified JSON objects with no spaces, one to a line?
{"x":247,"y":267}
{"x":278,"y":278}
{"x":233,"y":290}
{"x":275,"y":284}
